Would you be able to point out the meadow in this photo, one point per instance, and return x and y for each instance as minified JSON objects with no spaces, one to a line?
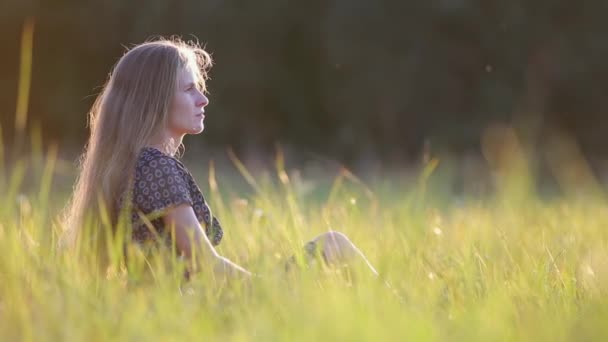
{"x":511,"y":266}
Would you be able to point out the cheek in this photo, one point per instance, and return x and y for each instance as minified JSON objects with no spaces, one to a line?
{"x":178,"y":107}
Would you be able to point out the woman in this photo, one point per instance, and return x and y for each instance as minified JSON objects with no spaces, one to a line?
{"x":154,"y":96}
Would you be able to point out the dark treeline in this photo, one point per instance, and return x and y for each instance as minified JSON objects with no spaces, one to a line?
{"x":348,"y":79}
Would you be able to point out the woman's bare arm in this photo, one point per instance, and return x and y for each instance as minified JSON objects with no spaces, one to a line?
{"x":190,"y":239}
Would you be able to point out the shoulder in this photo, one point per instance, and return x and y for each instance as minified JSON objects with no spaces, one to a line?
{"x":151,"y":160}
{"x":160,"y":181}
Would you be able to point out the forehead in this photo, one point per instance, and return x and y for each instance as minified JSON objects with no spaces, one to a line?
{"x":187,"y":74}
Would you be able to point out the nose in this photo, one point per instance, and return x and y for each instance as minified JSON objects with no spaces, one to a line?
{"x":202,"y":101}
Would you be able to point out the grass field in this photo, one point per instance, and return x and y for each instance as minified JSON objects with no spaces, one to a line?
{"x":512,"y":265}
{"x":509,"y":267}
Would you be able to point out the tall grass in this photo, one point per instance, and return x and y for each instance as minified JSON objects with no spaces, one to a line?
{"x":510,"y":267}
{"x":478,"y":270}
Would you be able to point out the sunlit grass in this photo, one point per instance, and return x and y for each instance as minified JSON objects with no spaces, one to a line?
{"x":480,"y":270}
{"x":510,"y":266}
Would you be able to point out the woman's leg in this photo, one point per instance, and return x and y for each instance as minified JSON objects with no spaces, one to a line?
{"x":336,"y":250}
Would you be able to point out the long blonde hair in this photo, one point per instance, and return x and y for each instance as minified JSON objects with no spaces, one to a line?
{"x":131,"y":110}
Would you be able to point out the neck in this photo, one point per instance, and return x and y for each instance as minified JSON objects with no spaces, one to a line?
{"x":167,"y":145}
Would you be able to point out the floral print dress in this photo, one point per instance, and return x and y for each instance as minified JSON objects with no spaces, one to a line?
{"x":160,"y":182}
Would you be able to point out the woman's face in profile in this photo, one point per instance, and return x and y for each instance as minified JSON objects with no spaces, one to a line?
{"x":187,"y":110}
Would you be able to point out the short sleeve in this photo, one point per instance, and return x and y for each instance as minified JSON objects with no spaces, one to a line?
{"x":159,"y":183}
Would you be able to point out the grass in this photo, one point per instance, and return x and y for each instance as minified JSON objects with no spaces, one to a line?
{"x":498,"y":269}
{"x":511,"y":266}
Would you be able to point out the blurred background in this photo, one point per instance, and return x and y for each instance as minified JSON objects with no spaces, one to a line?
{"x":372,"y":85}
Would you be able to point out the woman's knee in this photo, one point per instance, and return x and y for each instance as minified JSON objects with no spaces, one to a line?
{"x":336,"y":246}
{"x":333,"y":238}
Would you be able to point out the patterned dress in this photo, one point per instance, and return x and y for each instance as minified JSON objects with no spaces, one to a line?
{"x":161,"y":182}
